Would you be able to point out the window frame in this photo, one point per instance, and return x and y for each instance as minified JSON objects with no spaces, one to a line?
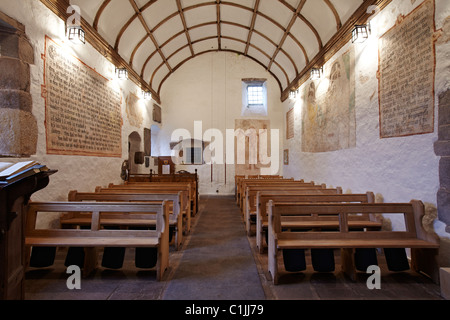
{"x":249,"y":108}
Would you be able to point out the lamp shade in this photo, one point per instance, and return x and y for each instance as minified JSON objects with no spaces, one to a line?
{"x":122,"y":73}
{"x":76,"y":34}
{"x":316,"y":73}
{"x":360,"y":33}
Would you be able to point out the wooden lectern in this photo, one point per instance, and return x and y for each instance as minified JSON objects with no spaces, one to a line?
{"x":13,"y":199}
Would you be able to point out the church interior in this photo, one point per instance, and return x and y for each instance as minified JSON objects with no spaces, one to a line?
{"x":225,"y":150}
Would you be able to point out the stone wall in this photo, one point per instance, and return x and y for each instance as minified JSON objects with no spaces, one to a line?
{"x":16,"y":55}
{"x":442,"y":148}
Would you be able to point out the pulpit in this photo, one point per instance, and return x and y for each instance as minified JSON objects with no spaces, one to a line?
{"x":13,"y":199}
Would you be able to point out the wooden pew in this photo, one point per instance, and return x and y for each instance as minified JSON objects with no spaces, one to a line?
{"x":249,"y":204}
{"x":74,"y":219}
{"x":157,"y":189}
{"x":193,"y":205}
{"x":193,"y":196}
{"x":424,"y":246}
{"x":269,"y":177}
{"x":242,"y":182}
{"x":314,"y":221}
{"x":191,"y":178}
{"x":96,"y":237}
{"x":237,"y":179}
{"x":269,"y":183}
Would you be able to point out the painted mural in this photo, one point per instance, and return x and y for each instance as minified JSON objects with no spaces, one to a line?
{"x":328,"y":115}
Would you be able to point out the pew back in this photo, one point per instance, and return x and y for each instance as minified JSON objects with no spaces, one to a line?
{"x":96,"y":236}
{"x":414,"y":236}
{"x":313,"y":221}
{"x":156,"y":189}
{"x":250,"y":204}
{"x":124,"y":219}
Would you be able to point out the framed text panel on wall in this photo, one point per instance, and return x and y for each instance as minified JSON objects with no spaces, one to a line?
{"x":157,"y":113}
{"x":406,"y":74}
{"x":290,"y":124}
{"x":82,"y":110}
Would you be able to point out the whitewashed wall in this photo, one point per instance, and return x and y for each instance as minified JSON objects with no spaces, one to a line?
{"x":209,"y":89}
{"x":74,"y":172}
{"x":396,"y":169}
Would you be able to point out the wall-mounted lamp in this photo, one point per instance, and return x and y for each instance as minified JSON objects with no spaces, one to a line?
{"x":292,"y":94}
{"x":76,"y":34}
{"x":316,"y":73}
{"x":361,"y":33}
{"x":147,"y":95}
{"x":122,"y":73}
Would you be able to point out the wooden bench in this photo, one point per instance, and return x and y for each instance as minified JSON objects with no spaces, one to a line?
{"x":249,"y":194}
{"x":424,"y":246}
{"x":277,"y":184}
{"x":191,"y":178}
{"x":252,"y":191}
{"x":96,"y":237}
{"x":241,"y":185}
{"x":157,"y":189}
{"x":178,"y":186}
{"x":193,"y":192}
{"x":73,"y":219}
{"x":237,"y":179}
{"x":242,"y":181}
{"x":314,"y":221}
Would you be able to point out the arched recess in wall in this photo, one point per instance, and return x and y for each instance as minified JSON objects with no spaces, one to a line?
{"x":18,"y":126}
{"x":135,"y":155}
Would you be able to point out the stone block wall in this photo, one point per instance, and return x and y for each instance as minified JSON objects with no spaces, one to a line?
{"x":442,"y":149}
{"x":18,"y":126}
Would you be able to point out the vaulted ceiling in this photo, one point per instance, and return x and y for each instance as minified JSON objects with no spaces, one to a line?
{"x":153,"y":38}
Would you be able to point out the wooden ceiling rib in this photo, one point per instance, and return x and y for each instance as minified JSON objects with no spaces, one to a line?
{"x":306,"y":21}
{"x":287,"y":31}
{"x":252,"y":26}
{"x":219,"y":25}
{"x":286,"y":42}
{"x":99,"y":13}
{"x":183,"y":20}
{"x":336,"y":14}
{"x":149,"y":32}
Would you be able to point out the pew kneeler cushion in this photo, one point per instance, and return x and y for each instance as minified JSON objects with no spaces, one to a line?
{"x":75,"y":257}
{"x":294,"y":260}
{"x":323,"y":260}
{"x":396,"y":259}
{"x":42,"y":257}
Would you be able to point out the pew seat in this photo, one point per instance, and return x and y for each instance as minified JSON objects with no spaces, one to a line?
{"x":424,"y":245}
{"x":97,"y":237}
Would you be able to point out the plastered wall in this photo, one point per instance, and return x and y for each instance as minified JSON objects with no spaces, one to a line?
{"x":81,"y":173}
{"x":208,"y":90}
{"x":395,"y":169}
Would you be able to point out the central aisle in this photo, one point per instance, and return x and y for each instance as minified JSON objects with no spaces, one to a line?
{"x":217,"y":262}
